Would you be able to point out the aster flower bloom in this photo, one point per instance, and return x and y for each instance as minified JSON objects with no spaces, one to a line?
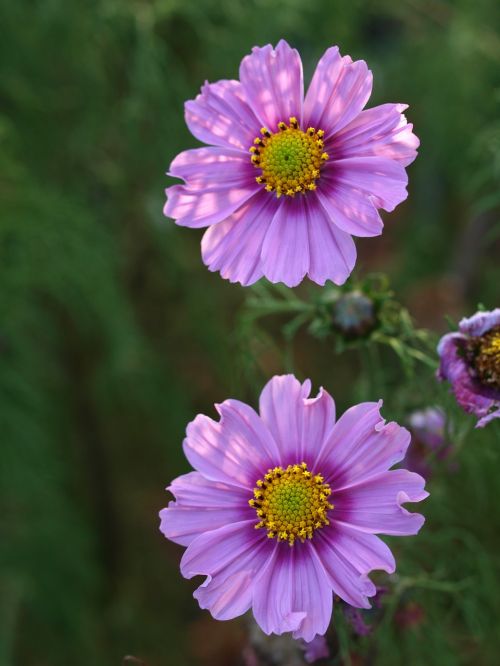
{"x":470,"y":361}
{"x":287,"y":180}
{"x":283,"y":508}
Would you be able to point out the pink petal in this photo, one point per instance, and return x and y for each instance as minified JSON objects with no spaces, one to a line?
{"x":235,"y":450}
{"x":381,"y":179}
{"x":292,"y":593}
{"x":273,"y":83}
{"x":201,"y":208}
{"x":220,"y":116}
{"x":332,"y":252}
{"x":361,"y":445}
{"x":234,"y":246}
{"x":230,"y":556}
{"x":203,"y":168}
{"x":374,"y":505}
{"x":350,"y":212}
{"x":226,"y":597}
{"x":285,"y":252}
{"x":338,"y":91}
{"x":366,"y":552}
{"x":382,"y":132}
{"x":299,"y":424}
{"x":347,"y":559}
{"x":201,"y":506}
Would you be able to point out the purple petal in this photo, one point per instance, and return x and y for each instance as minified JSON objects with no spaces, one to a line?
{"x":383,"y":180}
{"x":348,"y":556}
{"x":285,"y":252}
{"x":365,"y":552}
{"x":338,"y":92}
{"x":230,"y":556}
{"x":220,"y":116}
{"x":273,"y":83}
{"x":201,"y":208}
{"x":374,"y":505}
{"x":489,"y":417}
{"x":332,"y":252}
{"x":292,"y":593}
{"x":382,"y":131}
{"x":234,"y":246}
{"x":361,"y":445}
{"x":480,"y":323}
{"x":299,"y":424}
{"x":203,"y":168}
{"x":350,"y":212}
{"x":235,"y":450}
{"x":201,"y":506}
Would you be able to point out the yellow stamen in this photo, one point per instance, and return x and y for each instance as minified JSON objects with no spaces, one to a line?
{"x":292,"y":503}
{"x":290,"y":160}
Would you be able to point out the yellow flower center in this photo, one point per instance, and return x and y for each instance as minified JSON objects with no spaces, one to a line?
{"x":487,"y":359}
{"x":290,"y":160}
{"x":291,"y":503}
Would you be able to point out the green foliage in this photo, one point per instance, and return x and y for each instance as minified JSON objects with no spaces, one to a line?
{"x":113,"y":335}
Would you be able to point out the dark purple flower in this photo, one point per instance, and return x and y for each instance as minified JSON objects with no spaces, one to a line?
{"x":470,"y":361}
{"x":355,"y":618}
{"x":316,"y":649}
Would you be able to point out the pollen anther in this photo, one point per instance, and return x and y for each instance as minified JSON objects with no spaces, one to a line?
{"x":292,"y":503}
{"x":290,"y":160}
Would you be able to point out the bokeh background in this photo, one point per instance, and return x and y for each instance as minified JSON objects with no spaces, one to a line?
{"x":113,"y":335}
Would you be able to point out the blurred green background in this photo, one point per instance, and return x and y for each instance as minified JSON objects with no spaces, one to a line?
{"x":113,"y":335}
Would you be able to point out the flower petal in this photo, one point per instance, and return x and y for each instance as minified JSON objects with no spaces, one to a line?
{"x":234,"y":246}
{"x":332,"y":251}
{"x":235,"y":450}
{"x":273,"y":83}
{"x":361,"y":445}
{"x":383,"y":180}
{"x":350,"y":212}
{"x":285,"y":252}
{"x":201,"y":506}
{"x":348,"y":557}
{"x":203,"y":168}
{"x":299,"y":424}
{"x":230,"y":556}
{"x":292,"y":593}
{"x":374,"y":505}
{"x":480,"y":323}
{"x":338,"y":92}
{"x":381,"y":131}
{"x":201,"y":208}
{"x":220,"y":116}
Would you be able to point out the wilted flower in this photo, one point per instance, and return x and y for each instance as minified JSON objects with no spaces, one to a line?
{"x":470,"y":361}
{"x":287,"y":179}
{"x":284,"y":506}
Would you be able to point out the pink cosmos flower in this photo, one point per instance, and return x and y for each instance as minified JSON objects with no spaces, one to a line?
{"x":283,"y":508}
{"x":287,"y":180}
